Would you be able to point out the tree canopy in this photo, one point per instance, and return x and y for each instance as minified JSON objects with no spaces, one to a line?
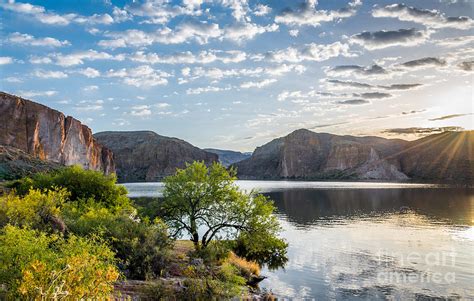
{"x":206,"y":204}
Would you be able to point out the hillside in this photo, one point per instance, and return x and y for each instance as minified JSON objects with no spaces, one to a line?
{"x":146,"y":156}
{"x":304,"y":154}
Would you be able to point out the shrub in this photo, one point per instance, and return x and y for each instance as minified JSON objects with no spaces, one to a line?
{"x":215,"y":253}
{"x":39,"y":210}
{"x":35,"y":265}
{"x":141,"y":246}
{"x":263,"y":249}
{"x":82,"y":185}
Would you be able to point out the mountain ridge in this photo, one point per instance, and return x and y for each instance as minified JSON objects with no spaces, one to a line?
{"x":228,"y":157}
{"x":147,"y":156}
{"x":304,"y":154}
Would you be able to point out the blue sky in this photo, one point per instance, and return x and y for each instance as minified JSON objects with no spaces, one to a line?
{"x":235,"y":74}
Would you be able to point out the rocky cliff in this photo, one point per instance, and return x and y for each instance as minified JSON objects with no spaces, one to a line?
{"x":447,"y":156}
{"x":146,"y":156}
{"x":228,"y":157}
{"x":307,"y":155}
{"x":49,"y":135}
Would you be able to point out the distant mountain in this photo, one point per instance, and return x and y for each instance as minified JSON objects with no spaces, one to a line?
{"x":146,"y":156}
{"x":49,"y":135}
{"x":446,"y":156}
{"x":228,"y":157}
{"x":304,"y":154}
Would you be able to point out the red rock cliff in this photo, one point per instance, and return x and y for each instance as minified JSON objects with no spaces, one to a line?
{"x":49,"y":135}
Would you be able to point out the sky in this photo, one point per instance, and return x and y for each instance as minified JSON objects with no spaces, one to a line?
{"x":235,"y":74}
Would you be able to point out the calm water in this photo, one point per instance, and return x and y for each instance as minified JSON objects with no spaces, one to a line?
{"x":366,"y":241}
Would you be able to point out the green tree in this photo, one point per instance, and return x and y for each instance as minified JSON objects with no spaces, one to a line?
{"x":205,"y":204}
{"x":82,"y":185}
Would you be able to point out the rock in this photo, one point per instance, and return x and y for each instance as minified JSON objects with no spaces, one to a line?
{"x":15,"y":164}
{"x":308,"y":155}
{"x":447,"y":156}
{"x":146,"y":156}
{"x":228,"y":157}
{"x":49,"y":135}
{"x":197,"y":262}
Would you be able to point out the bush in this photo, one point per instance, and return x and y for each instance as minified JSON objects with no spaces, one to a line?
{"x":245,"y":267}
{"x":38,"y":210}
{"x":215,"y":253}
{"x":263,"y":249}
{"x":35,"y":265}
{"x":82,"y":185}
{"x":141,"y":246}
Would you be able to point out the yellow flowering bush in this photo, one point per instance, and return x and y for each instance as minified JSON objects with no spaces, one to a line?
{"x":38,"y":266}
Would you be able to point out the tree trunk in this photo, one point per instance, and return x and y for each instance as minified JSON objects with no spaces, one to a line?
{"x":195,"y":235}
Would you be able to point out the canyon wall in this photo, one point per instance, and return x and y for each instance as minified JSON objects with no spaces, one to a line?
{"x":49,"y":135}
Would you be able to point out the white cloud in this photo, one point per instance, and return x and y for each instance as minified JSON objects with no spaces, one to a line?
{"x":195,"y":91}
{"x":90,"y":88}
{"x":88,"y":107}
{"x":78,"y":58}
{"x":40,"y":60}
{"x":308,"y":52}
{"x":294,"y":32}
{"x":5,"y":60}
{"x":309,"y":15}
{"x":162,"y":105}
{"x":218,"y":73}
{"x":197,"y":31}
{"x":37,"y":93}
{"x":142,"y":76}
{"x":262,"y":10}
{"x":40,"y":14}
{"x":455,"y":42}
{"x":141,"y":111}
{"x":240,"y":8}
{"x":162,"y":11}
{"x":257,"y":84}
{"x":89,"y":72}
{"x":49,"y":74}
{"x":246,"y":31}
{"x":389,"y":38}
{"x":13,"y":79}
{"x":429,"y":18}
{"x":203,"y":57}
{"x":26,"y":39}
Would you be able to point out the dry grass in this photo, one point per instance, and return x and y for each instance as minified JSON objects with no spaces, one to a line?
{"x":182,"y":247}
{"x":245,"y":266}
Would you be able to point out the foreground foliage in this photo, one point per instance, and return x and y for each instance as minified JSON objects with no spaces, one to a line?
{"x":71,"y":234}
{"x":37,"y":265}
{"x":81,"y":184}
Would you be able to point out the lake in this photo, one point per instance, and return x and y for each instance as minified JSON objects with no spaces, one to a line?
{"x":366,"y":241}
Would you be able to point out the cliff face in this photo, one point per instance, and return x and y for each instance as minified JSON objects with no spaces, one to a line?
{"x":146,"y":156}
{"x":446,"y":156}
{"x":307,"y":155}
{"x":49,"y":135}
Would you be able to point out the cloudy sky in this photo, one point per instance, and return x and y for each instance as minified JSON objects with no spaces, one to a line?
{"x":235,"y":74}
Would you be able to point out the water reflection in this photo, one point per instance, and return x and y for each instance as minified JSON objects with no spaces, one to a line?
{"x":308,"y":207}
{"x":376,"y":244}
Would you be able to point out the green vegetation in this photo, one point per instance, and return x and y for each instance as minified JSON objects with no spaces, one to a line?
{"x":72,"y":234}
{"x":35,"y":265}
{"x":82,"y":185}
{"x":199,"y":197}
